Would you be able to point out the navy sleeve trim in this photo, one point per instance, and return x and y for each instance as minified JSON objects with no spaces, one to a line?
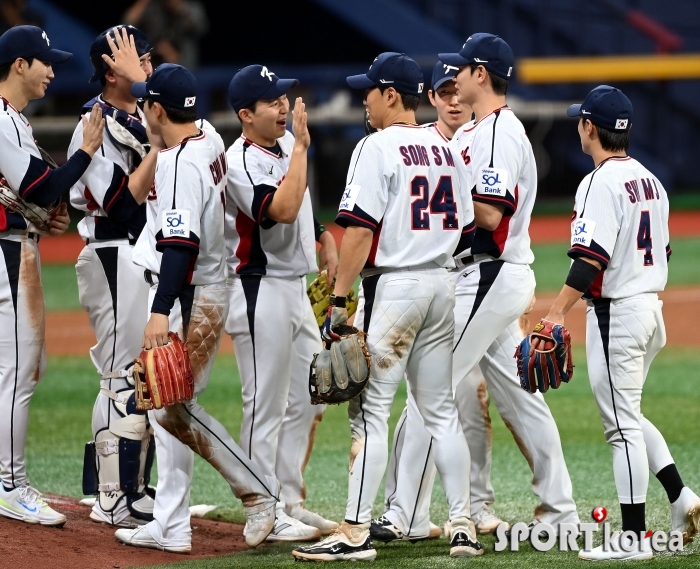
{"x":262,"y":198}
{"x":466,"y":240}
{"x":356,"y":217}
{"x":508,"y":202}
{"x":175,"y":267}
{"x":191,"y":242}
{"x":595,"y":252}
{"x":43,"y":186}
{"x":119,"y":203}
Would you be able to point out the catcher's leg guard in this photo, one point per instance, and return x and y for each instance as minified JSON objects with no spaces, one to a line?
{"x":123,"y":459}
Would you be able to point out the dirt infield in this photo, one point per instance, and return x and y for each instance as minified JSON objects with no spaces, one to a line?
{"x":543,"y":229}
{"x":68,"y":333}
{"x":89,"y":545}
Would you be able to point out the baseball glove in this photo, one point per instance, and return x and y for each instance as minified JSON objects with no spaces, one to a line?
{"x":341,"y":370}
{"x":38,"y":218}
{"x":163,"y":376}
{"x":319,"y":292}
{"x":546,"y":362}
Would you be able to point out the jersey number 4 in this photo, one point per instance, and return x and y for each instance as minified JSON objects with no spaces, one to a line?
{"x":442,"y":202}
{"x":644,"y":238}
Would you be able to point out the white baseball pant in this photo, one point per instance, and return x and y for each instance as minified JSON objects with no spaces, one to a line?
{"x":409,"y":318}
{"x":622,"y":338}
{"x":186,"y":427}
{"x":490,"y":298}
{"x":275,"y":336}
{"x":114,"y":293}
{"x":22,"y":349}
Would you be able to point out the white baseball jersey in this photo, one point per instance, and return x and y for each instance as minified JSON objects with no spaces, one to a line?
{"x":407,"y":187}
{"x":502,"y":172}
{"x":100,"y":188}
{"x":433,"y":127}
{"x":257,"y":245}
{"x":190,"y":187}
{"x":621,"y":220}
{"x":20,"y":160}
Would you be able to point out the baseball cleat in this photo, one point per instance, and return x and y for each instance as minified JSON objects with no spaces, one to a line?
{"x":287,"y":528}
{"x":486,"y":521}
{"x":139,"y":537}
{"x":131,"y":512}
{"x":259,"y":524}
{"x":27,"y":504}
{"x":685,"y":514}
{"x":383,"y":530}
{"x":347,"y":543}
{"x":463,"y":542}
{"x":642,"y":550}
{"x":299,"y":512}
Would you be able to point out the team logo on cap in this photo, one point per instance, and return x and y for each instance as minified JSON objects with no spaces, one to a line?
{"x":510,"y":70}
{"x":420,"y":87}
{"x":189,"y":101}
{"x":43,"y":35}
{"x":448,"y":67}
{"x":266,"y":73}
{"x":621,"y":124}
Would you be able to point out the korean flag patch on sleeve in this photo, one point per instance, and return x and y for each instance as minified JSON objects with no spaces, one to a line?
{"x":176,"y":223}
{"x":492,"y":182}
{"x":582,"y":232}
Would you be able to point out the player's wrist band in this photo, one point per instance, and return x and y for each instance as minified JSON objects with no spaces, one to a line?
{"x":338,"y":301}
{"x":581,"y":275}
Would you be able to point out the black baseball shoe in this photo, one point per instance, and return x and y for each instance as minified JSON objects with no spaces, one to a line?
{"x":463,"y":542}
{"x":347,"y":543}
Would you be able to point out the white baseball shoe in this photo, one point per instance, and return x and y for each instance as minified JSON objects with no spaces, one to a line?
{"x":347,"y":543}
{"x":27,"y":504}
{"x":486,"y":521}
{"x":463,"y":541}
{"x":435,"y":531}
{"x":299,"y":512}
{"x":129,"y":513}
{"x":139,"y":537}
{"x":685,"y":514}
{"x":287,"y":528}
{"x":260,"y":519}
{"x":639,"y":551}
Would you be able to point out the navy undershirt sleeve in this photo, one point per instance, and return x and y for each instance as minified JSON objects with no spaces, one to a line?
{"x":43,"y":186}
{"x":176,"y":263}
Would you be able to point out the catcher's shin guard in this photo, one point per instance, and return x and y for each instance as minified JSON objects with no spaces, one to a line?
{"x":123,"y":457}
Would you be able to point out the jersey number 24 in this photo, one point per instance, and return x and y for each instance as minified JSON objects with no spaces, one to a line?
{"x":441,"y":202}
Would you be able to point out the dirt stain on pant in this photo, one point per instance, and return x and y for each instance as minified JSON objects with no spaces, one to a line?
{"x":355,"y":448}
{"x":203,"y":336}
{"x":33,"y":293}
{"x":521,"y":445}
{"x":399,"y":340}
{"x":176,"y":421}
{"x":482,"y":394}
{"x":310,"y":445}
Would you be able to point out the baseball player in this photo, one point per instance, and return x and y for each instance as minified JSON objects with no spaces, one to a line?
{"x":26,"y":60}
{"x":112,"y":192}
{"x":183,"y":254}
{"x":406,"y":208}
{"x":494,"y":287}
{"x":620,"y":249}
{"x":271,"y":236}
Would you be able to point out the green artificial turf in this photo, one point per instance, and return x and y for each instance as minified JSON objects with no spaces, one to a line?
{"x":551,"y":267}
{"x":60,"y":425}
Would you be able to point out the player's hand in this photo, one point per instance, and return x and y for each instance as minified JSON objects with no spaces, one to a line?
{"x":156,"y":332}
{"x":334,"y":318}
{"x":156,"y":140}
{"x":125,"y":59}
{"x":328,"y":255}
{"x":93,"y":130}
{"x":299,"y":124}
{"x":60,"y":220}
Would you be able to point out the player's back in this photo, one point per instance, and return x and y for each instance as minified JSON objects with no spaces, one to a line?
{"x":405,"y":185}
{"x":621,"y":220}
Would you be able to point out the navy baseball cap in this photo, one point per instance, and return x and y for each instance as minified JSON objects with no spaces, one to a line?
{"x":485,"y":49}
{"x":442,"y":73}
{"x":606,"y":107}
{"x":100,"y":47}
{"x":392,"y":69}
{"x":254,"y":83}
{"x":29,"y":41}
{"x":171,"y":85}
